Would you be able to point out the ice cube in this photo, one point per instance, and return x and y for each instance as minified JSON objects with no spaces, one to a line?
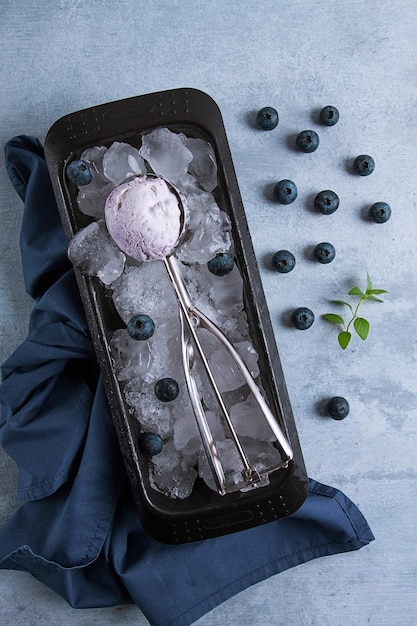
{"x":95,"y":254}
{"x":91,"y":199}
{"x":203,"y":165}
{"x":199,"y":202}
{"x":231,"y":463}
{"x":222,"y":365}
{"x":261,"y":454}
{"x":249,"y":421}
{"x":211,"y":236}
{"x":145,"y":288}
{"x":221,"y":299}
{"x":236,"y":327}
{"x":94,"y":157}
{"x":187,"y":438}
{"x":226,"y":292}
{"x":171,"y":474}
{"x":122,"y":161}
{"x":168,"y":157}
{"x":131,"y":358}
{"x":225,"y":371}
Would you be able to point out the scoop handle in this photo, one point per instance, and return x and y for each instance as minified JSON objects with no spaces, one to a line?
{"x":195,"y":318}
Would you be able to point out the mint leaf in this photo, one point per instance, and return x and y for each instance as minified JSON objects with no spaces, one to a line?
{"x":368,"y":283}
{"x":333,"y":318}
{"x":374,"y":298}
{"x":377,"y":291}
{"x":344,"y":303}
{"x":344,"y":338}
{"x":362,"y":327}
{"x":341,"y":302}
{"x":355,"y":291}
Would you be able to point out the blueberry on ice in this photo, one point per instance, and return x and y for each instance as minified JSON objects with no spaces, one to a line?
{"x":326,"y":202}
{"x":221,"y":265}
{"x":380,"y":212}
{"x":267,"y":118}
{"x":79,"y":172}
{"x":150,"y":443}
{"x":283,"y":261}
{"x":324,"y":252}
{"x":363,"y":165}
{"x":329,"y":116}
{"x":302,"y":318}
{"x":141,"y":327}
{"x":338,"y":408}
{"x":307,"y":141}
{"x":166,"y":389}
{"x":285,"y":191}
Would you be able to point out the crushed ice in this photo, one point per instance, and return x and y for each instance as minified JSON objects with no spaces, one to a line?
{"x":190,"y":165}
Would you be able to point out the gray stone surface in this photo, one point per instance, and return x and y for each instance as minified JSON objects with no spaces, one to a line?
{"x":60,"y":56}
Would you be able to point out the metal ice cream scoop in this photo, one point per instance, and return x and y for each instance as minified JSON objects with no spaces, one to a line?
{"x":192,"y":319}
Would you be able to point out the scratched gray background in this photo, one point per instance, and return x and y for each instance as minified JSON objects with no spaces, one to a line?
{"x":58,"y":56}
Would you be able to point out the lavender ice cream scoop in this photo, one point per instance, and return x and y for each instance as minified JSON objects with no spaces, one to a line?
{"x":145,"y":217}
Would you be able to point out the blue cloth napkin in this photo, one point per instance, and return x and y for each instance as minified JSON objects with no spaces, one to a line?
{"x":77,"y":529}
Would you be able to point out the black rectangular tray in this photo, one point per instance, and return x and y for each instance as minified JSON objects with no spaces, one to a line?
{"x":204,"y":513}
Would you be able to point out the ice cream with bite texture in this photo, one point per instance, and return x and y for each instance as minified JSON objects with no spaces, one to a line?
{"x":145,"y":217}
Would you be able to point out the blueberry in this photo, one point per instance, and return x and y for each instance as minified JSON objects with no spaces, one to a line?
{"x":380,"y":212}
{"x":329,"y":116}
{"x":267,"y":118}
{"x":307,"y":141}
{"x":150,"y":443}
{"x":221,"y":265}
{"x":166,"y":389}
{"x":363,"y":165}
{"x":141,"y":327}
{"x":326,"y":202}
{"x":285,"y":191}
{"x":302,"y":318}
{"x":324,"y":252}
{"x":283,"y":261}
{"x":79,"y":172}
{"x":338,"y":408}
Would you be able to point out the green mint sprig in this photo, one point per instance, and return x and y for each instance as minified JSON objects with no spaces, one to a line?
{"x":360,"y":324}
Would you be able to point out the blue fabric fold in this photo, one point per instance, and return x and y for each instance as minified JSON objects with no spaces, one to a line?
{"x":78,"y":530}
